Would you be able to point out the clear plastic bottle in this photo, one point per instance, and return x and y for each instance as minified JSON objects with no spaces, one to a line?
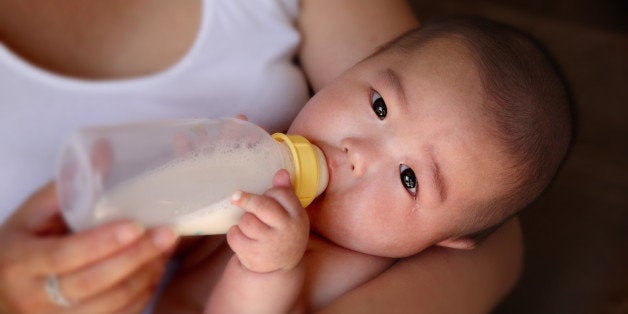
{"x":180,"y":173}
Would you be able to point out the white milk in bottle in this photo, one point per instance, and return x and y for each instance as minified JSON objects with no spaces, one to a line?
{"x":180,"y":173}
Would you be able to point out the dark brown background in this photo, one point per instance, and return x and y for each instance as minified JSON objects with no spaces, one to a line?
{"x":576,"y":234}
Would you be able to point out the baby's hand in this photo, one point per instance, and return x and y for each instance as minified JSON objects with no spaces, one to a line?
{"x":273,"y":233}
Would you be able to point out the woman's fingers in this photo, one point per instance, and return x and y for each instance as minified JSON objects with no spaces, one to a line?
{"x":132,"y":293}
{"x":36,"y":210}
{"x":25,"y":284}
{"x":66,"y":254}
{"x":99,"y":277}
{"x":105,"y":269}
{"x":101,"y":156}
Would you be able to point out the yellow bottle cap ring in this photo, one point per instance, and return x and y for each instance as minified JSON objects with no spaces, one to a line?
{"x":310,"y":167}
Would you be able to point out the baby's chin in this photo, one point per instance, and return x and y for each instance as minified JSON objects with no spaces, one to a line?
{"x":320,"y":218}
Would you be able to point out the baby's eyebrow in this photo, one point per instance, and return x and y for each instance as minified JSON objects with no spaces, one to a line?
{"x":437,"y":177}
{"x":392,"y":80}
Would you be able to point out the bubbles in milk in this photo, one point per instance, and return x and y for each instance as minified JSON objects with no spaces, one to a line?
{"x":192,"y":192}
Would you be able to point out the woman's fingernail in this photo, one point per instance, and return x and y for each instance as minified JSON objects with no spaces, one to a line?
{"x":236,"y":196}
{"x":164,"y":237}
{"x":129,"y":232}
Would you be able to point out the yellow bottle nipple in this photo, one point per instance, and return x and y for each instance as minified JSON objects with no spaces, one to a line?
{"x":310,"y":174}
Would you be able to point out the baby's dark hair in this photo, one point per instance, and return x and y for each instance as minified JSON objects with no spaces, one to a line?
{"x":527,"y":101}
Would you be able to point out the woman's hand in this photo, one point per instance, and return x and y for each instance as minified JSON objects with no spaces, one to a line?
{"x":273,"y":233}
{"x":112,"y":268}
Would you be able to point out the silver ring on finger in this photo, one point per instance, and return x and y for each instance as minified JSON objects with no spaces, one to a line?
{"x":54,"y":293}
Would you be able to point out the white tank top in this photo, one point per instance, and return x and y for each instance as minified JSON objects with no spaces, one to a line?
{"x":240,"y":63}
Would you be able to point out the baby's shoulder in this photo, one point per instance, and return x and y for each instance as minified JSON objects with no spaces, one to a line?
{"x":333,"y":270}
{"x":319,"y":247}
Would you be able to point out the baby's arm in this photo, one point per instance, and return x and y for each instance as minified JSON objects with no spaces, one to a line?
{"x":267,"y":272}
{"x":333,"y":271}
{"x":441,"y":280}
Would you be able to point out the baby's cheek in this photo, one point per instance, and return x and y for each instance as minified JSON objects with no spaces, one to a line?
{"x":346,"y":210}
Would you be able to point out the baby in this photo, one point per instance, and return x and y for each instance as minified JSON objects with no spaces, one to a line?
{"x":437,"y":139}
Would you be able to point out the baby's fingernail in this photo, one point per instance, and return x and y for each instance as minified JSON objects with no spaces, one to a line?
{"x":129,"y":232}
{"x":236,"y":196}
{"x":164,"y":237}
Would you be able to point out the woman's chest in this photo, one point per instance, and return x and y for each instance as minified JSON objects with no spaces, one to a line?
{"x":101,"y":40}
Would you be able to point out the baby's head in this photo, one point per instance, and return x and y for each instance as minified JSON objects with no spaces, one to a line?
{"x":443,"y":134}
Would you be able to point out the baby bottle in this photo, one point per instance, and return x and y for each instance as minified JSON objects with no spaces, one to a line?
{"x":179,"y":173}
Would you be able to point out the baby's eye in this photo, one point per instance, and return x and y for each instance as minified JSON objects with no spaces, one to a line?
{"x":379,"y":106}
{"x":408,"y":179}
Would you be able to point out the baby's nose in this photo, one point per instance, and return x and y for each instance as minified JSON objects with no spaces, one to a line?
{"x":361,"y":154}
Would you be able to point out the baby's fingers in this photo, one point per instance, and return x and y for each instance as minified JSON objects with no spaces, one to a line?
{"x":253,"y":227}
{"x":254,"y":255}
{"x":265,"y":208}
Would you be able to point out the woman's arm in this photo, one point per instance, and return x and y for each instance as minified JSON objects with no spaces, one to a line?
{"x":443,"y":280}
{"x":339,"y":33}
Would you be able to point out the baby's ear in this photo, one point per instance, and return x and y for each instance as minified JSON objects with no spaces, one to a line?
{"x":460,"y":243}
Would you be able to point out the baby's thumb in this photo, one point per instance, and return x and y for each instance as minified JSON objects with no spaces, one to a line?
{"x":282,"y":179}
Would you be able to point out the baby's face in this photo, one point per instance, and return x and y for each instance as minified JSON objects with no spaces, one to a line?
{"x":409,"y":156}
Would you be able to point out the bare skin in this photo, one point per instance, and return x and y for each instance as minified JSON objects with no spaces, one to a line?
{"x":118,"y":274}
{"x":93,"y":40}
{"x":367,"y":219}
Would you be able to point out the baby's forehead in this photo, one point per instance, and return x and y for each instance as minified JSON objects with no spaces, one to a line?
{"x":479,"y":177}
{"x":442,"y":55}
{"x":449,"y":46}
